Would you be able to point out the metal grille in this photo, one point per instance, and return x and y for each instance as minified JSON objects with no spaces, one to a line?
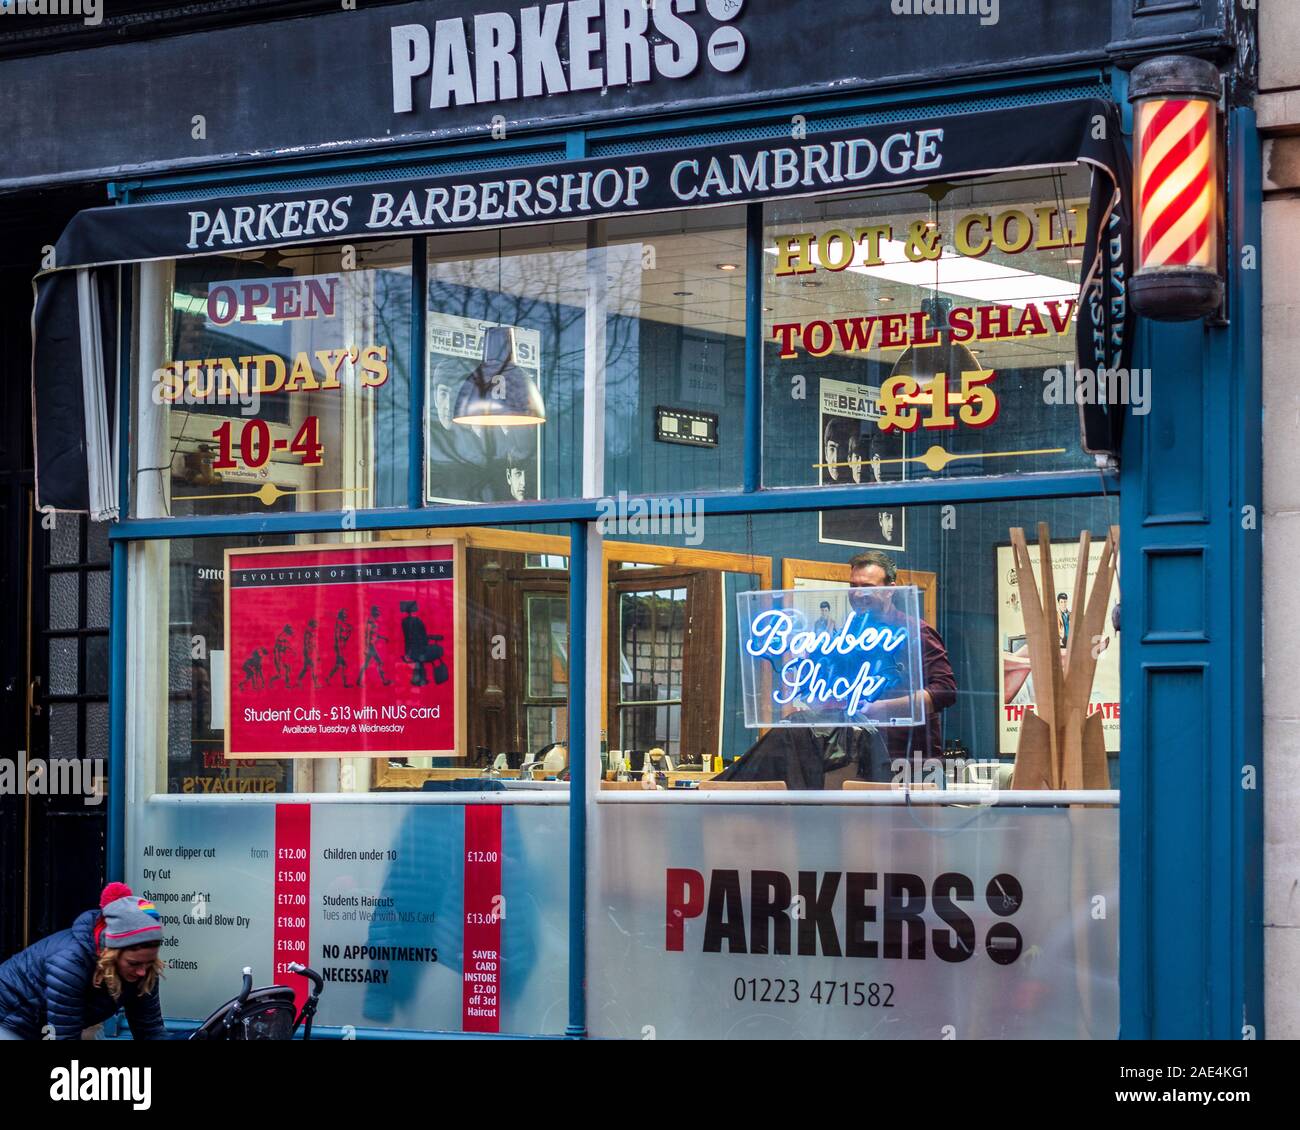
{"x":830,"y":122}
{"x":683,"y":138}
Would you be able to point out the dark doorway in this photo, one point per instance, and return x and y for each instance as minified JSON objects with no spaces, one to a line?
{"x":53,"y":622}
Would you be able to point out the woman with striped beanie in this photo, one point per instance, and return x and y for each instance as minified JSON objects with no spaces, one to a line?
{"x":107,"y":960}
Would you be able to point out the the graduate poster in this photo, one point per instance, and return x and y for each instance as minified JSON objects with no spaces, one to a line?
{"x":345,"y":651}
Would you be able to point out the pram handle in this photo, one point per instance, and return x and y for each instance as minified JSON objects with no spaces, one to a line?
{"x":315,"y":978}
{"x":233,"y":1014}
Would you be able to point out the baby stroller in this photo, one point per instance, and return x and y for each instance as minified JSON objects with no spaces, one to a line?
{"x":267,"y":1013}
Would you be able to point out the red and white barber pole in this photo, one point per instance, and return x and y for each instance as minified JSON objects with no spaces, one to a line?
{"x":1178,"y":195}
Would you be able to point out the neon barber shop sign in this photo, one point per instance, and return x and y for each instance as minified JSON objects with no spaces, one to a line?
{"x":826,"y":657}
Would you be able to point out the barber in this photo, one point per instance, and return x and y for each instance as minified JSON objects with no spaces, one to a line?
{"x":874,"y":569}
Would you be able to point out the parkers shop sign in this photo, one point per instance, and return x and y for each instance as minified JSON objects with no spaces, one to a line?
{"x":559,"y":48}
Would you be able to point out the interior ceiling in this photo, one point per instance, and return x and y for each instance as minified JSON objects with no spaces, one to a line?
{"x":672,"y":267}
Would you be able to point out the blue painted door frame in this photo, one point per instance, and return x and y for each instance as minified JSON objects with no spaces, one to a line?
{"x":1191,"y":826}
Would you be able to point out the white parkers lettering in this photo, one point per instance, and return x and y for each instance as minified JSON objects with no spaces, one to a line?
{"x":504,"y":56}
{"x":261,"y":223}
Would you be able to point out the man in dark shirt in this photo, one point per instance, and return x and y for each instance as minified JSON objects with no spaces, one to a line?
{"x":872,"y":570}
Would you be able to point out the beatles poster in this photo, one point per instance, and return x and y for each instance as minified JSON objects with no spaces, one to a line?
{"x":476,"y":462}
{"x":853,"y":449}
{"x":1015,"y":683}
{"x":345,"y":651}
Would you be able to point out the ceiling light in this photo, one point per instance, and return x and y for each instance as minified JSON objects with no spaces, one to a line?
{"x":925,"y":362}
{"x":498,"y":391}
{"x":726,"y":266}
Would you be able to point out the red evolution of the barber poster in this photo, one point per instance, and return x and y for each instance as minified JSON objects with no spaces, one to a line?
{"x":345,"y":651}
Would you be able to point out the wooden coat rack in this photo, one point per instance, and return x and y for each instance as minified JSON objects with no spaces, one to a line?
{"x":1061,"y":745}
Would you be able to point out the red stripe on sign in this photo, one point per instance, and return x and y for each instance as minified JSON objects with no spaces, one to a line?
{"x":1178,"y":207}
{"x":1183,"y":148}
{"x":1163,"y":114}
{"x":291,"y":937}
{"x":484,"y":909}
{"x":1191,"y":248}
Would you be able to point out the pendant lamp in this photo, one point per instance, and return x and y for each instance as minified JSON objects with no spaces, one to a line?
{"x":499,"y":391}
{"x":924,"y":362}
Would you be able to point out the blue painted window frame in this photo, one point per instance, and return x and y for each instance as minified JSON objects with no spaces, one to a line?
{"x":751,"y":499}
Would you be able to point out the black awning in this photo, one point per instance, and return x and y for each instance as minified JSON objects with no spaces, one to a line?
{"x":877,"y":156}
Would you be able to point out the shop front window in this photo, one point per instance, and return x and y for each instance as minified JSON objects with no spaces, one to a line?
{"x":999,"y":632}
{"x":506,"y":345}
{"x":273,"y":382}
{"x":368,"y":663}
{"x":622,"y":337}
{"x":923,"y":332}
{"x":799,"y":860}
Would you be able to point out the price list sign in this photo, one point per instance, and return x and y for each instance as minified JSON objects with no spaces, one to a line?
{"x":291,"y":934}
{"x":484,"y":910}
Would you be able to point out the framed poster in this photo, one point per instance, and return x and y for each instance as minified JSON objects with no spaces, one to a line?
{"x":346,"y":651}
{"x":473,"y":462}
{"x":852,"y":449}
{"x":1015,"y":683}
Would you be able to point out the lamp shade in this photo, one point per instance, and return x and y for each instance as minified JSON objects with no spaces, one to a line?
{"x":1177,"y":194}
{"x":499,"y":391}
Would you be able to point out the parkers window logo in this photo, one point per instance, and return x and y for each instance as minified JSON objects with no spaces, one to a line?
{"x":102,"y":1084}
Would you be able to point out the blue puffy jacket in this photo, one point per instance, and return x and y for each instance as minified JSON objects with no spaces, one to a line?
{"x":51,"y":983}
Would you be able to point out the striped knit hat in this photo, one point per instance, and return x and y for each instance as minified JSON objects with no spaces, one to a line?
{"x":126,"y":920}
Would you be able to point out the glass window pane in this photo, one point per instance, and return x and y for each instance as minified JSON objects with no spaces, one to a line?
{"x":285,"y":387}
{"x":97,"y":729}
{"x":65,"y":602}
{"x":98,"y":598}
{"x":916,"y":333}
{"x":65,"y":539}
{"x":363,"y":654}
{"x":548,"y":646}
{"x":506,"y":341}
{"x":674,"y":351}
{"x":97,"y":543}
{"x":674,"y":665}
{"x":986,"y":648}
{"x":64,"y":739}
{"x":97,"y":665}
{"x":63,"y":666}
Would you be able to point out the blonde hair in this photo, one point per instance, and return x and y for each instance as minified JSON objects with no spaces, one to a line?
{"x":106,"y":973}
